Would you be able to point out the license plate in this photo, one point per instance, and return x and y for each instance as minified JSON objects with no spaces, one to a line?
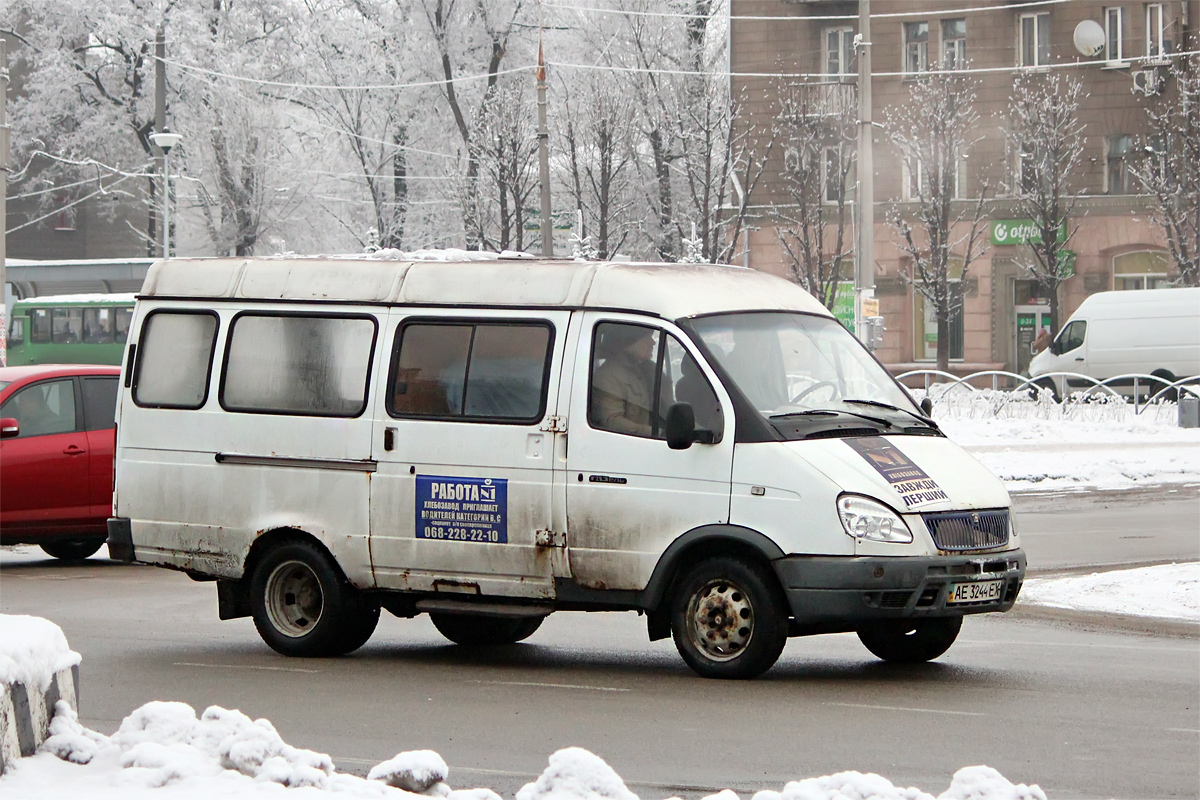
{"x":979,"y":592}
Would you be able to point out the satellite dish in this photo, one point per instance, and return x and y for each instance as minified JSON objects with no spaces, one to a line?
{"x":1089,"y":38}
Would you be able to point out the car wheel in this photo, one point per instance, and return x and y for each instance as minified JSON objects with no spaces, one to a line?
{"x":474,"y":630}
{"x":72,"y":549}
{"x":907,"y":641}
{"x":729,"y":618}
{"x":302,"y":606}
{"x":1167,"y":378}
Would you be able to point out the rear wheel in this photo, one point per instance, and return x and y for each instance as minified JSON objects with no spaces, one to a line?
{"x":1167,"y":378}
{"x":302,"y":606}
{"x":72,"y":549}
{"x":910,"y":641}
{"x":729,"y":618}
{"x":476,"y":630}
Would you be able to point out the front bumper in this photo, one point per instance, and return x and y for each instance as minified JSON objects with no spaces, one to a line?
{"x":839,"y":593}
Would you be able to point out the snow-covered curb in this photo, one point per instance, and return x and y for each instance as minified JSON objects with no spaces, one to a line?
{"x":1166,"y":591}
{"x":38,"y":671}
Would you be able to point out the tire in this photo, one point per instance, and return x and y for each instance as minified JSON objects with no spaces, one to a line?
{"x":303,"y":606}
{"x":905,"y":641}
{"x":1045,"y":385}
{"x":1167,"y":378}
{"x":72,"y":549}
{"x":729,"y":618}
{"x":476,"y":630}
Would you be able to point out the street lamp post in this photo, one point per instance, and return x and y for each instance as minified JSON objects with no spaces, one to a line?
{"x":164,"y":140}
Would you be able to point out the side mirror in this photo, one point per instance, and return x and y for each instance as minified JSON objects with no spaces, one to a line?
{"x":927,"y":406}
{"x":681,"y":426}
{"x":9,"y":428}
{"x":1056,"y":347}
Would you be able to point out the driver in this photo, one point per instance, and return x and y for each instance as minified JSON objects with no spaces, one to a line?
{"x":623,"y":386}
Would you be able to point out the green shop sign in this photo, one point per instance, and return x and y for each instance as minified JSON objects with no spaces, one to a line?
{"x":843,"y":304}
{"x":1021,"y":231}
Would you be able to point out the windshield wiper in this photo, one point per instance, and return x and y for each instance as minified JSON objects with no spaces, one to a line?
{"x":891,"y":407}
{"x":831,"y":413}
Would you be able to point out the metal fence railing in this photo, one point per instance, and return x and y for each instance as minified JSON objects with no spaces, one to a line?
{"x":1143,"y":391}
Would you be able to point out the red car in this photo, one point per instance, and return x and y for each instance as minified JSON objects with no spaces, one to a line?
{"x":57,"y":440}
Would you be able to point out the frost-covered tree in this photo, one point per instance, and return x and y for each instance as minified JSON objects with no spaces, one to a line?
{"x":1170,"y":169}
{"x":934,"y":132}
{"x":597,"y":147}
{"x":1046,"y":141}
{"x":817,"y":137}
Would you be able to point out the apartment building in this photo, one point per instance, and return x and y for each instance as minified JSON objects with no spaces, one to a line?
{"x":1115,"y":240}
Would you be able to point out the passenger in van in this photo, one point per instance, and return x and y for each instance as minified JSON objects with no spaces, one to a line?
{"x":623,"y":385}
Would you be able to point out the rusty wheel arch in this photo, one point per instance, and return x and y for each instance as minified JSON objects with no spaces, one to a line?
{"x":705,"y":542}
{"x":233,"y":594}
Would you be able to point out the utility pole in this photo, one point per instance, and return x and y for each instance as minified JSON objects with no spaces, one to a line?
{"x":3,"y":202}
{"x":160,"y":124}
{"x":544,"y":152}
{"x":864,"y":262}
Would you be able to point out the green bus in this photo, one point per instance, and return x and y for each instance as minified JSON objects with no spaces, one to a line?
{"x":69,"y":329}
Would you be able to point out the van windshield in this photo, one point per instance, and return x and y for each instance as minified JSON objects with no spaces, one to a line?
{"x":794,"y":367}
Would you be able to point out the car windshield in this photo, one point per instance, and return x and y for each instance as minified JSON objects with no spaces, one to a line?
{"x":800,"y":364}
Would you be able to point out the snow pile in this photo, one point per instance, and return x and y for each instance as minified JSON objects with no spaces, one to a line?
{"x":1170,"y":591}
{"x":163,"y":752}
{"x":32,"y":649}
{"x":1068,"y":454}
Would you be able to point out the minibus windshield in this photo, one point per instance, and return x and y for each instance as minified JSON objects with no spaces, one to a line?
{"x":792,"y":365}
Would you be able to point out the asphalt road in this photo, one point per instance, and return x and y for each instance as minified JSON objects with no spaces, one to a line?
{"x":1083,"y":712}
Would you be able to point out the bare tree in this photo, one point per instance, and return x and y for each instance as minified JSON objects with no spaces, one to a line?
{"x":934,"y":131}
{"x":507,"y":149}
{"x":1170,"y":170}
{"x":1046,"y":141}
{"x":817,"y":134}
{"x":598,"y":150}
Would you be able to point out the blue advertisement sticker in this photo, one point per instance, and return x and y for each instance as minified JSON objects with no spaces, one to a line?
{"x":462,"y":509}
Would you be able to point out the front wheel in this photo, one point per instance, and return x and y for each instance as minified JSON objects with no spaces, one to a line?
{"x":72,"y":549}
{"x":907,"y":641}
{"x":476,"y":630}
{"x":729,"y":618}
{"x":302,"y":606}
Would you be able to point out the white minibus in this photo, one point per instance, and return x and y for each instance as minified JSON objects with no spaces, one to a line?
{"x":492,"y":441}
{"x":1113,"y":334}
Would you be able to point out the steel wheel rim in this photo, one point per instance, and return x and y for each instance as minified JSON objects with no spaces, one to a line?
{"x":294,"y":600}
{"x":720,"y":620}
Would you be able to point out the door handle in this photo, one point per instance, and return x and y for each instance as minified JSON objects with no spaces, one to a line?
{"x":389,"y":439}
{"x":1079,"y":359}
{"x":74,"y":450}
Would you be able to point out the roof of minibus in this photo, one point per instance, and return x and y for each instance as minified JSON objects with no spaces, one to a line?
{"x":671,"y":291}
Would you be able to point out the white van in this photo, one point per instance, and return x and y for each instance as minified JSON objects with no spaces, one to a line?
{"x":1143,"y":332}
{"x":489,"y":442}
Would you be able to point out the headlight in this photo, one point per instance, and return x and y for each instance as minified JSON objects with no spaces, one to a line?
{"x":867,"y":519}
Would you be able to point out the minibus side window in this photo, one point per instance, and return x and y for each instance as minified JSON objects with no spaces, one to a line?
{"x":471,"y":371}
{"x":174,"y":359}
{"x":637,"y":373}
{"x":40,"y":333}
{"x":98,"y":325}
{"x":310,"y":365}
{"x":1072,"y":336}
{"x":68,"y":325}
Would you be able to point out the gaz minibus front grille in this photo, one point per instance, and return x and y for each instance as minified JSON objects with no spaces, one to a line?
{"x":967,"y":530}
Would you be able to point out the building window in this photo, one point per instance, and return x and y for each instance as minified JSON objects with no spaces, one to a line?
{"x":1114,"y":34}
{"x":834,"y":175}
{"x":838,"y":50}
{"x":914,"y":179}
{"x":1142,"y":270}
{"x":925,"y":317}
{"x":916,"y":47}
{"x":1033,"y":40}
{"x":1155,"y":46}
{"x":954,"y":44}
{"x":1117,"y":177}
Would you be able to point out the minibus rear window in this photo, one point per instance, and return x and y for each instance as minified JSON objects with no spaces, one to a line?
{"x":174,"y":359}
{"x":471,"y":371}
{"x":302,"y":364}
